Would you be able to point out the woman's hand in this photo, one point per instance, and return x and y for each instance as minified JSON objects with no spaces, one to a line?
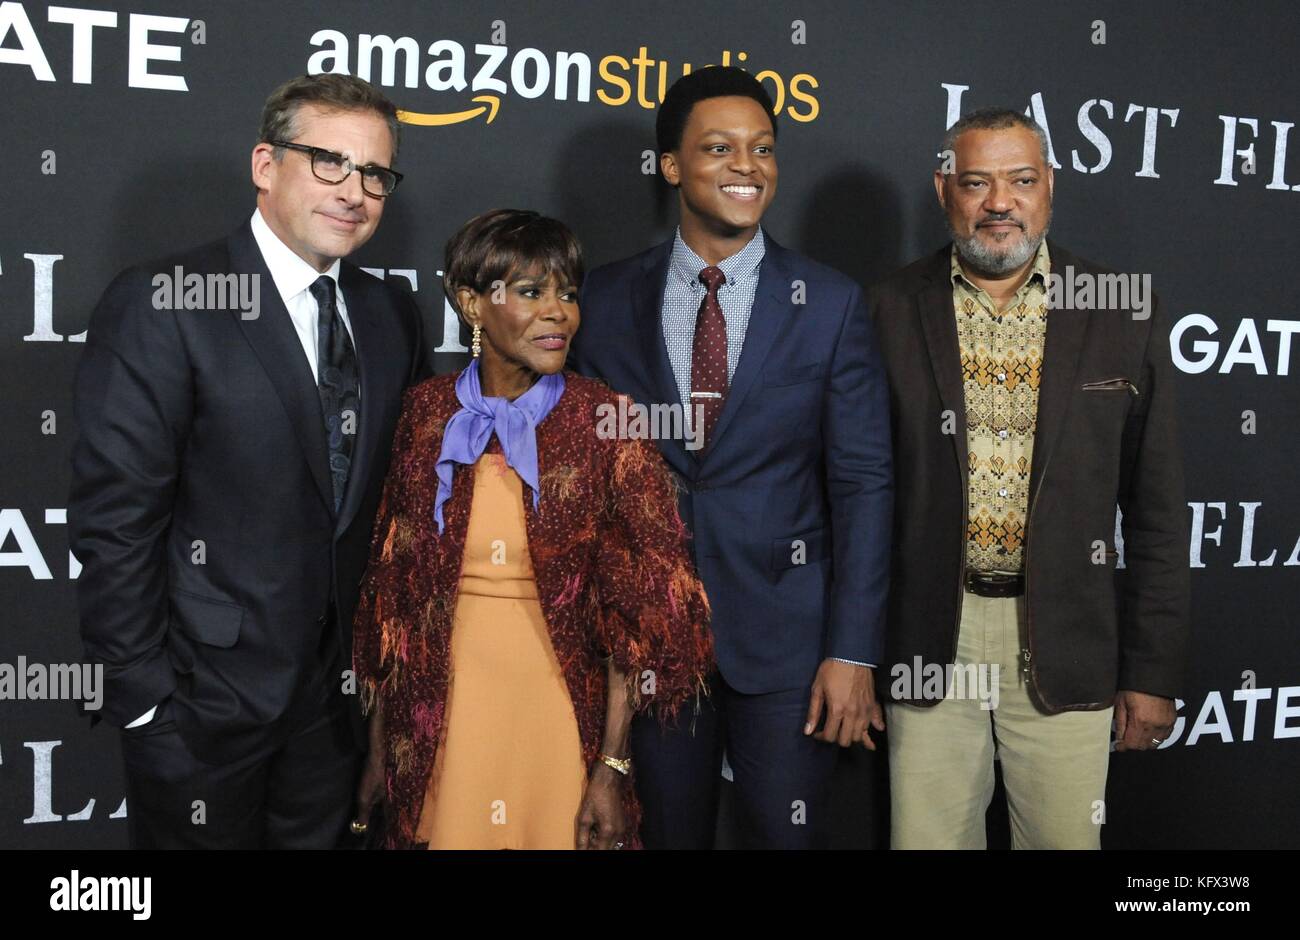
{"x":601,"y":823}
{"x":371,"y":790}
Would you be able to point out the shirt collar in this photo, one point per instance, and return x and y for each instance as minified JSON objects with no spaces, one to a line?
{"x":291,"y":274}
{"x":687,"y":265}
{"x":1040,"y":269}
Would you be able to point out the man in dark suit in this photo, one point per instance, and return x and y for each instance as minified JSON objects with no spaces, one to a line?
{"x":1024,"y":411}
{"x":236,"y":406}
{"x":784,"y":473}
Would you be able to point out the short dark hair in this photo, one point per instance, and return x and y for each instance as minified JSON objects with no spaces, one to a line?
{"x":501,"y":243}
{"x":331,"y":92}
{"x":994,"y":119}
{"x":716,"y":81}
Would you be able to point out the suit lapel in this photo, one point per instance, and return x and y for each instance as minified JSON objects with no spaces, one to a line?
{"x":939,"y":324}
{"x":1063,"y":344}
{"x":647,"y":304}
{"x":359,"y":297}
{"x":772,"y":309}
{"x":277,"y":347}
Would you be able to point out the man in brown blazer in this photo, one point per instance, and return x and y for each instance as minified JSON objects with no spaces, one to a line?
{"x":1031,"y":393}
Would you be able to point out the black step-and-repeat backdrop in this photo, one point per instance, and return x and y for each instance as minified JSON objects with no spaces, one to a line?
{"x":126,"y":134}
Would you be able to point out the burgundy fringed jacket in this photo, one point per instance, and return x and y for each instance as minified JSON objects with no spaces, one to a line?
{"x":613,"y":573}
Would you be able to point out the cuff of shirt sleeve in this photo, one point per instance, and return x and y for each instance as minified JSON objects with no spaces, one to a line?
{"x":143,"y":719}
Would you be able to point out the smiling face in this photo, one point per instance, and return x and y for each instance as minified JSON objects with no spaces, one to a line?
{"x":724,"y":168}
{"x":321,"y":221}
{"x":527,"y":325}
{"x":998,"y":200}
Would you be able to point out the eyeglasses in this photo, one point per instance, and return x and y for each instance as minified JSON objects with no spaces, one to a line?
{"x":330,"y":167}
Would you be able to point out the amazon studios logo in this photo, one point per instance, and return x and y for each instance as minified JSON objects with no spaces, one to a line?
{"x":532,"y":73}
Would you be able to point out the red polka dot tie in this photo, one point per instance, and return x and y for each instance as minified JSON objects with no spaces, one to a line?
{"x":709,"y":355}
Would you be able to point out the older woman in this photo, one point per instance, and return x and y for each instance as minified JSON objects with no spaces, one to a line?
{"x":529,"y":585}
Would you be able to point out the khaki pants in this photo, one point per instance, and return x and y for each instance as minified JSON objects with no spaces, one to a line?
{"x":941,"y":756}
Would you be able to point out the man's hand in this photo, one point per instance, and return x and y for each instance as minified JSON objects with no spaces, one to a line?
{"x":1142,"y":720}
{"x":848,"y":693}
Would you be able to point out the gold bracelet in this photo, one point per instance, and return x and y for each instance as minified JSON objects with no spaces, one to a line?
{"x":623,"y":766}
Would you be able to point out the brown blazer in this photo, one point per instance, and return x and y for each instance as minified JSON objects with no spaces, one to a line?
{"x":1092,"y":629}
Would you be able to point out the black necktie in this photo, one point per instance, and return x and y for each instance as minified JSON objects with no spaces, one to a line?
{"x":337,"y":382}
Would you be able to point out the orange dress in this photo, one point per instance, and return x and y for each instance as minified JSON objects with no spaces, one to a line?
{"x":509,"y":773}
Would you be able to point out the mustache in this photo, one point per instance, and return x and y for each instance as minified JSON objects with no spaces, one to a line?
{"x":1000,"y":217}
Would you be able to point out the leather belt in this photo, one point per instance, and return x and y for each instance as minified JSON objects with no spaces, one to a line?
{"x":995,"y":583}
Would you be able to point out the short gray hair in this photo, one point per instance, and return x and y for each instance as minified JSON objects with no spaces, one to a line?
{"x":331,"y":92}
{"x":994,"y":119}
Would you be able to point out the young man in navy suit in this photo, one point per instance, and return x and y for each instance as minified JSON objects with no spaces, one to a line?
{"x":783,"y":466}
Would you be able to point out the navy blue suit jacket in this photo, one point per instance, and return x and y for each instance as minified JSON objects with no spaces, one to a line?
{"x":790,"y":506}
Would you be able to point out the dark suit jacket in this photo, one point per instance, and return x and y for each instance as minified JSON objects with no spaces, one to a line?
{"x":203,"y":426}
{"x":800,"y":452}
{"x":1092,"y":629}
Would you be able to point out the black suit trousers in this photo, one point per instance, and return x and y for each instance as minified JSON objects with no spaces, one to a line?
{"x":294,"y":792}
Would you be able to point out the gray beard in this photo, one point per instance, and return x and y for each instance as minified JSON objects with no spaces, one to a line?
{"x":995,"y":262}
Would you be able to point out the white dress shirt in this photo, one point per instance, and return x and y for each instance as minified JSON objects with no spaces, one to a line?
{"x":293,"y":278}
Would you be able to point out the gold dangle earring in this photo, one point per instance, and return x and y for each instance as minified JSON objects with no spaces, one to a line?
{"x":476,"y":346}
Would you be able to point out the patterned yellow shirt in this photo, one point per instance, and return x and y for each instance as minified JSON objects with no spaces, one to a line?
{"x":1001,"y":364}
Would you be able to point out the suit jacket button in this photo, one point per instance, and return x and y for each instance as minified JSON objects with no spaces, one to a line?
{"x":321,"y":620}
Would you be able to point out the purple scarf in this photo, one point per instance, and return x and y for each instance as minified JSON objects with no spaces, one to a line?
{"x":515,"y":423}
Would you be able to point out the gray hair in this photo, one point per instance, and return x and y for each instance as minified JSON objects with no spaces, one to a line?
{"x":331,"y":92}
{"x":994,"y":119}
